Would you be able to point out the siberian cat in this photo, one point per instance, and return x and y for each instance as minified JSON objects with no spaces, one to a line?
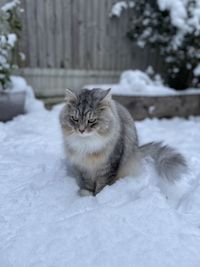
{"x":101,"y":142}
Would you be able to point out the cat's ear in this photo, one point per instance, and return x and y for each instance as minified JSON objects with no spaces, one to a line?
{"x":101,"y":94}
{"x":70,"y":96}
{"x":105,"y":98}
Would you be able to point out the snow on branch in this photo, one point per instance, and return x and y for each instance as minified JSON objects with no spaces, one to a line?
{"x":117,"y":8}
{"x":10,"y":5}
{"x":173,"y":27}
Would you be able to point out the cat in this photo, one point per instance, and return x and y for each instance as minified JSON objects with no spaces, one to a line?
{"x":101,"y":142}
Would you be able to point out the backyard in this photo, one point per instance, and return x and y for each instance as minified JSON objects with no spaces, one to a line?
{"x":44,"y":222}
{"x":148,"y":55}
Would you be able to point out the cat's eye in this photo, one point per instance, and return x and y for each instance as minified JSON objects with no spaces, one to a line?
{"x":74,"y":118}
{"x":92,"y":120}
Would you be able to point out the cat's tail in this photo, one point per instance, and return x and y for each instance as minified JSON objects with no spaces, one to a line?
{"x":168,"y":162}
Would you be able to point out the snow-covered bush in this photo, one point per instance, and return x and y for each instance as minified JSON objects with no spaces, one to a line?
{"x":173,"y":26}
{"x":10,"y":26}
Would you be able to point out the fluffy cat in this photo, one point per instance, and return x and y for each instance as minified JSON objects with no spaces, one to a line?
{"x":101,"y":142}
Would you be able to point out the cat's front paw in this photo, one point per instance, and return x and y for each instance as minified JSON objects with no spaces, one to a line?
{"x":84,"y":193}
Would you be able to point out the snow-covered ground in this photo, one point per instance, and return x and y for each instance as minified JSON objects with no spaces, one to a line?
{"x":44,"y":223}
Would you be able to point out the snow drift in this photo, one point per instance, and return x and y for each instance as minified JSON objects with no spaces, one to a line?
{"x":136,"y":222}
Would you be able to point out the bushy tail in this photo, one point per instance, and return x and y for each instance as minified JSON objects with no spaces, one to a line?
{"x":168,"y":162}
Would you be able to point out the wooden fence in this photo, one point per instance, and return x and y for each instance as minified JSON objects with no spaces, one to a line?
{"x":77,"y":35}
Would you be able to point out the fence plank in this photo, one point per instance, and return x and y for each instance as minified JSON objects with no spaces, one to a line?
{"x":89,"y":36}
{"x":31,"y":30}
{"x":82,"y":34}
{"x":40,"y":33}
{"x":58,"y":34}
{"x":66,"y":32}
{"x":102,"y":44}
{"x":22,"y":45}
{"x":77,"y":34}
{"x":50,"y":32}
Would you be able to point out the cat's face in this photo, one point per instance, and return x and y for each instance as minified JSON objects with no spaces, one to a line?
{"x":88,"y":113}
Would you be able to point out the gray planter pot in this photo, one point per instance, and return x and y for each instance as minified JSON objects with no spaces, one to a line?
{"x":11,"y":104}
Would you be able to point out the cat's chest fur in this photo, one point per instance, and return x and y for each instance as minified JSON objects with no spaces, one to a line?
{"x":88,"y":152}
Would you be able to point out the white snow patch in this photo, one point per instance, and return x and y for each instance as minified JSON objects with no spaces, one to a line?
{"x":31,"y":103}
{"x":139,"y":83}
{"x":118,"y":7}
{"x":136,"y":83}
{"x":196,"y":71}
{"x":12,"y":38}
{"x":177,"y":11}
{"x":45,"y":223}
{"x":185,"y":18}
{"x":181,"y":18}
{"x":10,"y":5}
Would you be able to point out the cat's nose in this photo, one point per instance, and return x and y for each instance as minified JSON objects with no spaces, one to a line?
{"x":81,"y":130}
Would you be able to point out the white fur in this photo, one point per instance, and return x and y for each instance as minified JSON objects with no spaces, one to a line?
{"x":85,"y":143}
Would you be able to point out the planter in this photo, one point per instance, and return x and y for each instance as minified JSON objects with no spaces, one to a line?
{"x":11,"y":104}
{"x":180,"y":105}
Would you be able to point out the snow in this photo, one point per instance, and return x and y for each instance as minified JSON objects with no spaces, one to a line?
{"x":195,"y":18}
{"x":3,"y":40}
{"x":10,"y":5}
{"x":184,"y":16}
{"x":177,"y":11}
{"x":196,"y":71}
{"x":179,"y":18}
{"x":31,"y":104}
{"x":2,"y":60}
{"x":137,"y":83}
{"x":12,"y":38}
{"x":45,"y":223}
{"x":118,"y":7}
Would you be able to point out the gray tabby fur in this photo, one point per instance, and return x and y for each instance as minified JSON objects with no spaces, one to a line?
{"x":100,"y":140}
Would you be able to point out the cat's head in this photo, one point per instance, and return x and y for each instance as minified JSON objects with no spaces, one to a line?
{"x":88,"y":112}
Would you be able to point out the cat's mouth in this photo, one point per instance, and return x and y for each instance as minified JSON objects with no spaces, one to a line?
{"x":85,"y":134}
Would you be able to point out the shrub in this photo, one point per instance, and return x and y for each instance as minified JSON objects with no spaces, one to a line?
{"x":172,"y":26}
{"x":10,"y":27}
